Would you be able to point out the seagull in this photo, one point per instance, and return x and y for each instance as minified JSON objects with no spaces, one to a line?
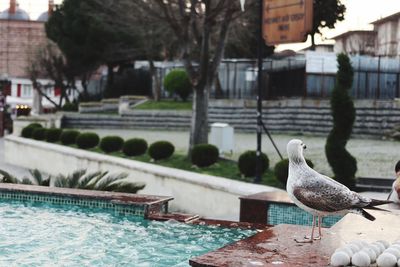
{"x":395,"y":193}
{"x":319,"y":194}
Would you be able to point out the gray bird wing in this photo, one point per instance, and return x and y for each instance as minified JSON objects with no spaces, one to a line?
{"x":324,"y":194}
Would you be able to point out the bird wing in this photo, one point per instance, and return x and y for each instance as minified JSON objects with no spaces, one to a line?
{"x":324,"y":194}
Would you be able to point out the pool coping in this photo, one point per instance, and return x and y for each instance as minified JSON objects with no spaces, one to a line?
{"x":151,"y":203}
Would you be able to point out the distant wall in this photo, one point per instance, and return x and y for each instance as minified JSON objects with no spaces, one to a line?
{"x":205,"y":195}
{"x":295,"y":116}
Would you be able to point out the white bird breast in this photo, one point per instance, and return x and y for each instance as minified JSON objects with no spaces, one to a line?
{"x":242,"y":4}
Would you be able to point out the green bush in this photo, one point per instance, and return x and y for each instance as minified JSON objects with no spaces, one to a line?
{"x":247,"y":163}
{"x":343,"y":164}
{"x":28,"y":130}
{"x":177,"y":81}
{"x":53,"y":135}
{"x":87,"y":140}
{"x":39,"y":133}
{"x":68,"y":137}
{"x":71,"y":106}
{"x":135,"y":147}
{"x":111,"y":144}
{"x":281,"y":170}
{"x":161,"y":150}
{"x":204,"y":155}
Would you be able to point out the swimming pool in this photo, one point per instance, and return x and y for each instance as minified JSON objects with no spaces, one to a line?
{"x":42,"y":234}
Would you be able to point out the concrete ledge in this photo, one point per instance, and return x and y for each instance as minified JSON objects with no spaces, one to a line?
{"x":208,"y":196}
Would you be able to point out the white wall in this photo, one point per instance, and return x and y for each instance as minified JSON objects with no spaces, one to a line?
{"x":208,"y":196}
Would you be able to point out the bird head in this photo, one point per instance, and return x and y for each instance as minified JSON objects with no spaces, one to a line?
{"x":295,"y":149}
{"x":396,"y":185}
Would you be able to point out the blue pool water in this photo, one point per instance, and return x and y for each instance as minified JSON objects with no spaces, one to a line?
{"x":43,"y":235}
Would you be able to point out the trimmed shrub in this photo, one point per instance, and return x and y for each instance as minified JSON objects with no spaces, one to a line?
{"x":35,"y":125}
{"x":68,"y":137}
{"x":281,"y":170}
{"x":343,"y":164}
{"x":134,"y":147}
{"x":204,"y":155}
{"x":111,"y":144}
{"x":87,"y":140}
{"x":39,"y":133}
{"x":177,"y":81}
{"x":247,"y":163}
{"x":161,"y":150}
{"x":53,"y":135}
{"x":71,"y":106}
{"x":28,"y":130}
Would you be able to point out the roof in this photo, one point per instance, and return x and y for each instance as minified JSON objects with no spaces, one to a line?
{"x":44,"y":16}
{"x":345,"y":34}
{"x":19,"y":14}
{"x":394,"y":16}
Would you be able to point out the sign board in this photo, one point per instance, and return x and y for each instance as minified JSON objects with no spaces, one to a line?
{"x":287,"y":21}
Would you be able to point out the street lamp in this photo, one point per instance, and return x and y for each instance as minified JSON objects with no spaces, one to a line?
{"x":260,"y":44}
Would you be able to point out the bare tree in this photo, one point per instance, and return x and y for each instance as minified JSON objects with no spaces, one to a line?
{"x":200,"y":28}
{"x":48,"y":62}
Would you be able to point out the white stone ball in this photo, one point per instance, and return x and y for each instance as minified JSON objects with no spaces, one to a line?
{"x":371,"y":253}
{"x":357,"y":244}
{"x":381,"y":246}
{"x":396,"y":246}
{"x":386,"y":260}
{"x":376,"y":248}
{"x":340,"y":258}
{"x":384,"y":243}
{"x":353,"y":247}
{"x":361,"y":259}
{"x":393,"y":251}
{"x":346,"y":250}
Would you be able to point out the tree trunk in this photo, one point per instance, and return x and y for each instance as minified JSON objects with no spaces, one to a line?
{"x":218,"y":88}
{"x":156,"y":81}
{"x":312,"y":42}
{"x":199,"y":125}
{"x":110,"y":80}
{"x":37,"y":107}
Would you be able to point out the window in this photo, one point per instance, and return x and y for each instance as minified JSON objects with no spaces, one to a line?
{"x":26,"y":90}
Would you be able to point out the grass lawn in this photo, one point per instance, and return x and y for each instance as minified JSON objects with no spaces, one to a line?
{"x":223,"y":168}
{"x":166,"y":104}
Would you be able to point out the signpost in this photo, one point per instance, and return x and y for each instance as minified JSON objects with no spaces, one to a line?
{"x":281,"y":22}
{"x":5,"y":88}
{"x":287,"y":21}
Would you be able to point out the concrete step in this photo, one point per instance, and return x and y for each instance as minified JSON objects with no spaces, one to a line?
{"x":374,"y":184}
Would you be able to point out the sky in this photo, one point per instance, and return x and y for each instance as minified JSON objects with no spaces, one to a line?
{"x":358,"y":16}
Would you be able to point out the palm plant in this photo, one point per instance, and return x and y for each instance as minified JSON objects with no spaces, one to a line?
{"x":101,"y":181}
{"x":36,"y":178}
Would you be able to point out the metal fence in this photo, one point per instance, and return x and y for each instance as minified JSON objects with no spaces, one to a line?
{"x":374,"y":78}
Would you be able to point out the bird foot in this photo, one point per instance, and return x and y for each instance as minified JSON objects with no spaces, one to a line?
{"x":315,"y":238}
{"x":305,"y":240}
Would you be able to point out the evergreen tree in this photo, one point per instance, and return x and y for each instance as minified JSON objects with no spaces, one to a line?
{"x":326,"y":14}
{"x":343,"y":164}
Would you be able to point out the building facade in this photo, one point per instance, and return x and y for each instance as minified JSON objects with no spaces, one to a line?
{"x":20,"y":38}
{"x":382,"y":41}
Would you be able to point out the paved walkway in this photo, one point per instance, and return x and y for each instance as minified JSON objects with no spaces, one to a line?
{"x":375,"y":158}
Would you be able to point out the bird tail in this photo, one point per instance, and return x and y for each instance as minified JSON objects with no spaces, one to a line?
{"x":377,"y":202}
{"x":367,"y":215}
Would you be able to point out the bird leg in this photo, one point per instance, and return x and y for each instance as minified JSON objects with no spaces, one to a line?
{"x":306,"y":238}
{"x":319,"y":228}
{"x":320,"y":218}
